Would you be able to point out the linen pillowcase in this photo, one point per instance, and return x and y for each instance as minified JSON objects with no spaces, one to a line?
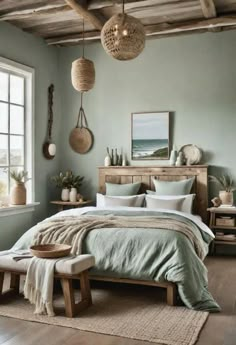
{"x":128,"y":189}
{"x":173,"y":187}
{"x":173,"y":204}
{"x":134,"y":200}
{"x":187,"y":205}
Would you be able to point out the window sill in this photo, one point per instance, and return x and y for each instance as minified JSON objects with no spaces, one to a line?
{"x":10,"y":210}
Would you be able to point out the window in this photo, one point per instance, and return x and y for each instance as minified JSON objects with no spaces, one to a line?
{"x":16,"y":124}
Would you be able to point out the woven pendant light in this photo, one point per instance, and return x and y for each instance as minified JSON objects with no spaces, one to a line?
{"x":123,"y":36}
{"x":83,"y":73}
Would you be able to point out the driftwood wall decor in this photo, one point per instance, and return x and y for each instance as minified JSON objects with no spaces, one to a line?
{"x":49,"y":148}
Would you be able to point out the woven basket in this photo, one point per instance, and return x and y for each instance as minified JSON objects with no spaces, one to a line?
{"x":123,"y":37}
{"x":83,"y":74}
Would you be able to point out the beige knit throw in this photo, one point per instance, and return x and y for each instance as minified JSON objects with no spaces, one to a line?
{"x":72,"y":230}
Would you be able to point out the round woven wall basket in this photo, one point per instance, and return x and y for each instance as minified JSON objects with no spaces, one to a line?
{"x":123,"y":37}
{"x":83,"y":74}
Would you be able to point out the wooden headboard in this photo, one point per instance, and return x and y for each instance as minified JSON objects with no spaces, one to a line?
{"x":130,"y":174}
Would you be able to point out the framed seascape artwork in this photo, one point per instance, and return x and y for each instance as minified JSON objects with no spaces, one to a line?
{"x":150,"y":135}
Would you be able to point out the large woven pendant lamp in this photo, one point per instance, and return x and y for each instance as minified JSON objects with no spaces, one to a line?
{"x":83,"y":72}
{"x":123,"y":36}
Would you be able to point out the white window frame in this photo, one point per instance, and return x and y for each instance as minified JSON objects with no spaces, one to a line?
{"x":29,"y":74}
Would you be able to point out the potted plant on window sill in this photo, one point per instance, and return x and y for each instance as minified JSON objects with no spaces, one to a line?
{"x":18,"y":191}
{"x":227,"y":188}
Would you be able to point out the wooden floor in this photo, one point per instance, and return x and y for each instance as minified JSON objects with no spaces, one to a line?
{"x":220,"y":329}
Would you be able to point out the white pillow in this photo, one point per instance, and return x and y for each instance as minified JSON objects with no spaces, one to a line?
{"x":133,"y":200}
{"x":172,"y":204}
{"x":187,"y":204}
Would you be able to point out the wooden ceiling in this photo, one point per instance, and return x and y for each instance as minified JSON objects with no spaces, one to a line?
{"x":60,"y":22}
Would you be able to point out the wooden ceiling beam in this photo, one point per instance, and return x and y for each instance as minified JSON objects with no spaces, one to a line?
{"x":159,"y":30}
{"x":86,"y":14}
{"x":208,"y":8}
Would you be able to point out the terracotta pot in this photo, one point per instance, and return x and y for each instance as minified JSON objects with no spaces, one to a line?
{"x":227,"y":198}
{"x":18,"y":194}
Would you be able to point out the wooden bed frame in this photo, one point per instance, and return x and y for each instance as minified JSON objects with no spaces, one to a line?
{"x":145,"y":175}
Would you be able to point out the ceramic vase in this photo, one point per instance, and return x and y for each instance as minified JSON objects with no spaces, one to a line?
{"x":179,"y":160}
{"x":18,"y":194}
{"x":107,"y":161}
{"x":65,"y":194}
{"x":227,"y":198}
{"x":73,"y":195}
{"x":173,"y":157}
{"x":124,"y":161}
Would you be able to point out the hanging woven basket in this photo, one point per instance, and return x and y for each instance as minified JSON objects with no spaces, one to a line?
{"x":83,"y":74}
{"x":123,"y":37}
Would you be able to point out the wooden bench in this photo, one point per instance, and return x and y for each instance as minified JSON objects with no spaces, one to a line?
{"x":66,"y":271}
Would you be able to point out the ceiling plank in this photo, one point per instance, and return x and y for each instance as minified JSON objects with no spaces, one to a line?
{"x":159,"y":30}
{"x":86,"y":14}
{"x":31,"y":12}
{"x":208,"y":8}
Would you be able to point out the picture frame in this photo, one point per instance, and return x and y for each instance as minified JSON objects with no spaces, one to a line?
{"x":150,"y":135}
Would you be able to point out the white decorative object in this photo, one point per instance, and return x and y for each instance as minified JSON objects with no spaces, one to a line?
{"x":52,"y":149}
{"x":179,"y":160}
{"x":227,"y":198}
{"x":124,"y":162}
{"x":192,"y":154}
{"x":173,"y":157}
{"x":65,"y":194}
{"x":73,"y":194}
{"x":107,"y":161}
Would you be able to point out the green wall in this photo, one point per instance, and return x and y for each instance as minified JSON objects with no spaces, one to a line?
{"x":32,"y":51}
{"x":194,"y":77}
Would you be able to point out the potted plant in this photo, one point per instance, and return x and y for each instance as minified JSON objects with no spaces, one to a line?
{"x":18,"y":191}
{"x":226,"y":184}
{"x":67,"y":182}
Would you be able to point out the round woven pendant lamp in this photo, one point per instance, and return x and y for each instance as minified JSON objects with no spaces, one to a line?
{"x":83,"y":72}
{"x":123,"y":36}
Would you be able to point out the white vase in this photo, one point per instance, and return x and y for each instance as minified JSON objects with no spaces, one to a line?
{"x":227,"y":198}
{"x":73,"y":195}
{"x":107,"y":161}
{"x":173,"y":157}
{"x":65,"y":194}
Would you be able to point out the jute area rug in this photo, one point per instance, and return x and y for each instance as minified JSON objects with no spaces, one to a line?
{"x":131,"y":312}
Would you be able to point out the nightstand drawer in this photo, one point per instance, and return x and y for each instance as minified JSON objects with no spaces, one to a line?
{"x":225,"y":221}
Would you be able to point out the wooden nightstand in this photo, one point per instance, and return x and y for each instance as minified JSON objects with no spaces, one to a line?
{"x":62,"y":204}
{"x":226,"y":229}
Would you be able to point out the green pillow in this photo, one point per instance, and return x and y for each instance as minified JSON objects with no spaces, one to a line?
{"x":114,"y":189}
{"x":182,"y":187}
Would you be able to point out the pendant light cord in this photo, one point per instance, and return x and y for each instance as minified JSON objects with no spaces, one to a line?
{"x":83,"y":39}
{"x":123,"y":6}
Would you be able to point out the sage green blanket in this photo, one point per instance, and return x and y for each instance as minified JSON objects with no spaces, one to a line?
{"x":148,"y":254}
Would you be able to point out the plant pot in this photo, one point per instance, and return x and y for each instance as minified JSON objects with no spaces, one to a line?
{"x":227,"y":198}
{"x":18,"y":194}
{"x":65,"y":194}
{"x":73,"y":195}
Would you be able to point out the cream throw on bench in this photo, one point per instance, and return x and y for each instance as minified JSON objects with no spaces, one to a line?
{"x":39,"y":282}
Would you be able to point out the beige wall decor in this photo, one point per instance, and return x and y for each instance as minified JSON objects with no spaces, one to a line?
{"x":81,"y":138}
{"x":83,"y":72}
{"x":123,"y":36}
